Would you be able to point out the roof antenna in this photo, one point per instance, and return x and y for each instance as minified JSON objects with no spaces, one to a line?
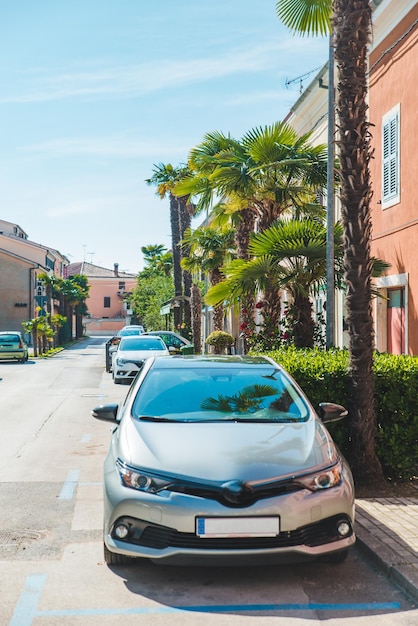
{"x":300,"y":79}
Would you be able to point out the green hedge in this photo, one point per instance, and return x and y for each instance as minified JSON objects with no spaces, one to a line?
{"x":323,"y":377}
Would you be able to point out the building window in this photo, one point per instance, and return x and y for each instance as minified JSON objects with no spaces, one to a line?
{"x":106,"y":302}
{"x":121,"y":286}
{"x":391,"y":160}
{"x":49,"y":263}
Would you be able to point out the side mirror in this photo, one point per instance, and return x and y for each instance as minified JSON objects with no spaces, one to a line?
{"x":105,"y":412}
{"x":330,"y":412}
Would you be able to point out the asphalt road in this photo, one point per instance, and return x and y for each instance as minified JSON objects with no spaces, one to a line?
{"x":51,"y":560}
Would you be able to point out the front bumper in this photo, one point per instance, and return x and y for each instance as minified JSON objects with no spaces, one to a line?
{"x":163,"y":544}
{"x":127,"y":372}
{"x":163,"y":527}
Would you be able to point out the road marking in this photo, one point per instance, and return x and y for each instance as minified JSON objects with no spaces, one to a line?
{"x":85,"y":438}
{"x":226,"y":608}
{"x":25,"y":609}
{"x":69,"y":487}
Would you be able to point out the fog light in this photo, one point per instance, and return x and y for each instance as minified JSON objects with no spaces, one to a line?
{"x":121,"y":531}
{"x":343,"y":528}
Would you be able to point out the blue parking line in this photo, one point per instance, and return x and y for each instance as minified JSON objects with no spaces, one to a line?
{"x":25,"y":609}
{"x":225,"y":608}
{"x":69,"y":487}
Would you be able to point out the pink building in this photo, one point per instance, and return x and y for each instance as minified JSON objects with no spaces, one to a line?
{"x":393,"y":78}
{"x":22,"y":261}
{"x":107,"y":308}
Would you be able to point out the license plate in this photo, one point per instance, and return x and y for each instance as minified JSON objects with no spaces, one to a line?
{"x":237,"y":526}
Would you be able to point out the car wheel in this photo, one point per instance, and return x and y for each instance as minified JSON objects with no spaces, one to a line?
{"x":112,"y":558}
{"x":336,"y":557}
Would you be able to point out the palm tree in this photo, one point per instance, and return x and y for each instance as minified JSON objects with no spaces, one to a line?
{"x":158,"y":259}
{"x":274,"y":170}
{"x":290,"y":255}
{"x":351,"y":23}
{"x":209,"y":249}
{"x":269,"y":172}
{"x":165,"y":177}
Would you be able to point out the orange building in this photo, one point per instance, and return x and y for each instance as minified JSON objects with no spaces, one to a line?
{"x":22,"y":294}
{"x":393,"y":109}
{"x":107,"y":309}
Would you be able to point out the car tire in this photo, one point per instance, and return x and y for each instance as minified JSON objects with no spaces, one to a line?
{"x":336,"y":557}
{"x":112,"y":558}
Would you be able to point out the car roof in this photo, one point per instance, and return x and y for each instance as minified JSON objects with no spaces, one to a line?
{"x":207,"y":360}
{"x":137,"y":330}
{"x":166,"y":332}
{"x":139,"y":338}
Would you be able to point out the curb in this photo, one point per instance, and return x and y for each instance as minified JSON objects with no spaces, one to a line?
{"x":404,"y":575}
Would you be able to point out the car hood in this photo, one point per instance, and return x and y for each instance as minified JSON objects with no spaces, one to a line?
{"x":225,"y":451}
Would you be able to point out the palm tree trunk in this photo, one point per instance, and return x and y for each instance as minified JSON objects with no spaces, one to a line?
{"x":185,"y":215}
{"x":242,"y":238}
{"x":177,"y":271}
{"x":352,"y":27}
{"x":196,"y":309}
{"x":304,"y":323}
{"x":218,"y":311}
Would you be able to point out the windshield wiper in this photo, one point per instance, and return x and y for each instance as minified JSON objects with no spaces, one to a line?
{"x":153,"y":418}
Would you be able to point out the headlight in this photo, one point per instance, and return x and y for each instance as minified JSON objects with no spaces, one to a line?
{"x":324,"y":479}
{"x":121,"y":361}
{"x":141,"y":480}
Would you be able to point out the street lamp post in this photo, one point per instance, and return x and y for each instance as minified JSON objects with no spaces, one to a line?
{"x":330,"y":309}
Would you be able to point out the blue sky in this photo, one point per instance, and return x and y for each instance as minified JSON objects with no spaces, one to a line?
{"x":93,"y":93}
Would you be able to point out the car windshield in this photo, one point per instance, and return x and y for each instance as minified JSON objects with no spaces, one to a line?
{"x":257,"y":394}
{"x":141,"y":344}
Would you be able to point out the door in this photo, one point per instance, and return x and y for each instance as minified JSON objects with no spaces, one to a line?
{"x":396,"y":321}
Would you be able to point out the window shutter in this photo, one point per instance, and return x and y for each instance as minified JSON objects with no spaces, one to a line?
{"x":390,"y":177}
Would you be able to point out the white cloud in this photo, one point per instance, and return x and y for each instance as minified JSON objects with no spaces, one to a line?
{"x":115,"y":146}
{"x":139,"y":79}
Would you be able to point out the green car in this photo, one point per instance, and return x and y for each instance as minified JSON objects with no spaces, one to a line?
{"x":13,"y":346}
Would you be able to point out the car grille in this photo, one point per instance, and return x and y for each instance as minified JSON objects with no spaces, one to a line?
{"x":161,"y":537}
{"x":244,"y":498}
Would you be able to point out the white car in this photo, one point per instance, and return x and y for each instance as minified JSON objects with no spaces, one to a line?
{"x":131,"y":355}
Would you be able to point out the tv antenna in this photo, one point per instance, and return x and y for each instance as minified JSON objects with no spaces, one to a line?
{"x":300,"y":79}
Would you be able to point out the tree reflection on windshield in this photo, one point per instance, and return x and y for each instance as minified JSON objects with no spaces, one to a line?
{"x":248,"y":400}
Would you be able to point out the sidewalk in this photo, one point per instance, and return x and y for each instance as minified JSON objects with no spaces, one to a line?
{"x":387,"y":531}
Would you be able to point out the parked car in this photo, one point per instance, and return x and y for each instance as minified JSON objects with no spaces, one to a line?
{"x":131,"y":355}
{"x":126,"y":331}
{"x":13,"y":346}
{"x":173,"y":341}
{"x":130,"y":329}
{"x":222,"y":459}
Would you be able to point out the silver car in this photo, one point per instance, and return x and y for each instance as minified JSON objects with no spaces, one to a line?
{"x":13,"y":346}
{"x":131,"y":354}
{"x":222,"y":459}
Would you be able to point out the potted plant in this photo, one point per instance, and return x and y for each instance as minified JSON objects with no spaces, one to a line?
{"x":220,"y":340}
